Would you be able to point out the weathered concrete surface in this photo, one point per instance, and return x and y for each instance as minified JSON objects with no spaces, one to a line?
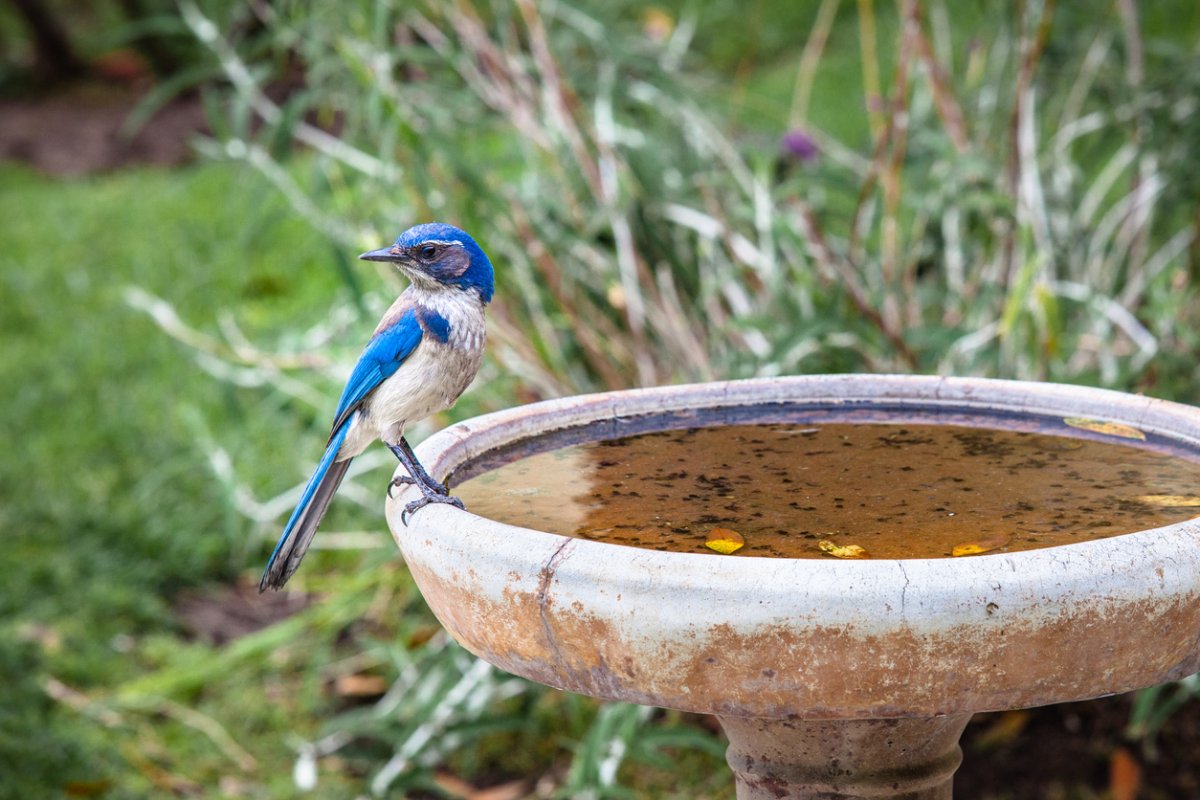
{"x":910,"y":758}
{"x":834,"y":679}
{"x":781,"y":638}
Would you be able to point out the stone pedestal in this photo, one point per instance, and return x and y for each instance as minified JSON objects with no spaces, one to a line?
{"x":897,"y":759}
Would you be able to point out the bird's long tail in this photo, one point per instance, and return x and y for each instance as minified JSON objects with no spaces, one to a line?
{"x":302,"y":526}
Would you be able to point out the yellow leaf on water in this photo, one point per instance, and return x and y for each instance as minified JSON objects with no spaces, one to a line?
{"x":1169,"y":500}
{"x":1107,"y":428}
{"x":842,"y":551}
{"x":724,"y":541}
{"x":978,"y":546}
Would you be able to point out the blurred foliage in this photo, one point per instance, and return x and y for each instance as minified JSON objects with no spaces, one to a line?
{"x":108,"y":506}
{"x":1008,"y":219}
{"x":48,"y":41}
{"x":679,"y":192}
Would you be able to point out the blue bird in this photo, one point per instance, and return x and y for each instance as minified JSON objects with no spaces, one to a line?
{"x":423,"y":355}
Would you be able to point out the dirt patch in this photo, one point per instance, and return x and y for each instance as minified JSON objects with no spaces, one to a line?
{"x":81,"y":129}
{"x":1078,"y":751}
{"x":219,"y":615}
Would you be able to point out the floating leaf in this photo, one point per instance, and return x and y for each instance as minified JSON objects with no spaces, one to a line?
{"x":842,"y":551}
{"x":1056,"y":444}
{"x":1107,"y":428}
{"x":978,"y":546}
{"x":1170,"y":500}
{"x":724,"y":541}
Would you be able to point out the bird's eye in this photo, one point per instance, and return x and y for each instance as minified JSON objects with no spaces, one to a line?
{"x":428,"y":251}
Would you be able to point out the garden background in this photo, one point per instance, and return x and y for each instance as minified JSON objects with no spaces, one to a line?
{"x":671,"y":191}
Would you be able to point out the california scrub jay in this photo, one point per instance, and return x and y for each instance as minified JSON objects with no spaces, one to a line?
{"x":423,"y":355}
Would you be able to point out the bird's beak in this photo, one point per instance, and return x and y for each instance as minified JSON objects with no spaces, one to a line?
{"x":392,"y":253}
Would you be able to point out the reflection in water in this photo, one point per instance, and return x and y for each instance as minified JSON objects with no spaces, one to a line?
{"x":898,"y":491}
{"x":559,"y":481}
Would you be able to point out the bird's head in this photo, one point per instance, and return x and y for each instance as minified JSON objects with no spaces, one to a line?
{"x":436,"y":255}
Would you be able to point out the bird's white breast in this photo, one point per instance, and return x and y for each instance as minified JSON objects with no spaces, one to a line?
{"x":431,"y":378}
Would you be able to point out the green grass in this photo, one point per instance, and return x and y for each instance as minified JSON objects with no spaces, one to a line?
{"x":109,"y":506}
{"x":105,"y":411}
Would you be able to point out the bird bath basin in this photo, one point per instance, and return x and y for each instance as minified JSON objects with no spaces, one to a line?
{"x":832,"y":678}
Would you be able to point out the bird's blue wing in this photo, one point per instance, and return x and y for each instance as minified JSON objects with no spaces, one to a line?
{"x":302,"y":525}
{"x":382,"y":356}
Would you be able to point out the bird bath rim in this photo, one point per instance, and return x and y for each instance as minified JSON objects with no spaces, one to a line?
{"x":747,"y":636}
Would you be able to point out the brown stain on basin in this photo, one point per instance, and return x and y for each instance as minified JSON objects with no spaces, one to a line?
{"x":814,"y":671}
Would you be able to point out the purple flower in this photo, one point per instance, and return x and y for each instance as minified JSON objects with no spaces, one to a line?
{"x":797,"y":144}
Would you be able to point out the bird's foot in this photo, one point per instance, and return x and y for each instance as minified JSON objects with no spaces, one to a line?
{"x":425,"y":500}
{"x":406,"y":480}
{"x":397,"y":482}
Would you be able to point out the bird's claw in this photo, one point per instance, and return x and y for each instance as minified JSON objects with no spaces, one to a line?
{"x":425,"y":500}
{"x":397,"y":482}
{"x":407,"y":480}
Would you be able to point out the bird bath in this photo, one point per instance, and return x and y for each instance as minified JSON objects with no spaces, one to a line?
{"x":832,"y":678}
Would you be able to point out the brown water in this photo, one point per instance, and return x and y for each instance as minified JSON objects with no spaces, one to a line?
{"x":897,"y":491}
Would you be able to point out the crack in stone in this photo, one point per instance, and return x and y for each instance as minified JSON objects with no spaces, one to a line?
{"x":544,"y":578}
